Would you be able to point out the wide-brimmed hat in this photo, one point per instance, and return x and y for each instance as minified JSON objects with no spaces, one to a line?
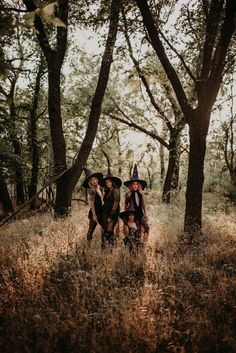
{"x":114,"y":179}
{"x":89,"y":175}
{"x":125,"y":214}
{"x":135,"y":177}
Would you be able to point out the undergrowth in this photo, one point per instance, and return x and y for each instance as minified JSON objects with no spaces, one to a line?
{"x":58,"y":295}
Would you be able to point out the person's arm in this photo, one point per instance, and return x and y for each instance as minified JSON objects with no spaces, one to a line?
{"x":144,"y":205}
{"x":127,"y":199}
{"x":92,"y":193}
{"x":125,"y":230}
{"x":116,"y":201}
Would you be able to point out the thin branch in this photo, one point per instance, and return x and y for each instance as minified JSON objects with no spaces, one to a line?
{"x":218,"y":61}
{"x":40,"y":114}
{"x":213,"y":20}
{"x":52,"y":180}
{"x":140,"y":128}
{"x":142,"y":77}
{"x":179,"y":56}
{"x":161,"y":53}
{"x":226,"y":148}
{"x":108,"y":161}
{"x":14,"y":9}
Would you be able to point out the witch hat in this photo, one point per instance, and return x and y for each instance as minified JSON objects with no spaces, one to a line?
{"x":109,"y":176}
{"x":135,"y":177}
{"x":125,"y":214}
{"x":89,"y":175}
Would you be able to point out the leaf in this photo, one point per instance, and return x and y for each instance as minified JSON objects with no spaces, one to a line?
{"x":29,"y":19}
{"x":55,"y":21}
{"x":47,"y":13}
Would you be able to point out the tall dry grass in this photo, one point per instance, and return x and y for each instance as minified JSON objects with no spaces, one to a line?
{"x":57,"y":295}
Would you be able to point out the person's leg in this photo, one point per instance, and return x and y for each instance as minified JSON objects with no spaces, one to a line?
{"x":92,"y":226}
{"x":145,"y":226}
{"x":109,"y":233}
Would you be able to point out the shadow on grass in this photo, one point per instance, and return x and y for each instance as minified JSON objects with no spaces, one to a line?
{"x":84,"y":304}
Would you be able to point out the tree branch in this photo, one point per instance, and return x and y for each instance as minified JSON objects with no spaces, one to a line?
{"x":210,"y":37}
{"x":140,"y":128}
{"x":218,"y":61}
{"x":160,"y":51}
{"x":142,"y":77}
{"x":41,"y":34}
{"x":61,"y":31}
{"x":179,"y":56}
{"x":226,"y":148}
{"x":4,"y":9}
{"x":12,"y":216}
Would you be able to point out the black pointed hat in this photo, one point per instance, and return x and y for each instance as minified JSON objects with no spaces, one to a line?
{"x":135,"y":177}
{"x":89,"y":175}
{"x":109,"y":176}
{"x":125,"y":214}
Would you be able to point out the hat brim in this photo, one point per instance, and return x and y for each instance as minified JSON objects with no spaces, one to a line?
{"x":142,"y":182}
{"x":115,"y":180}
{"x":125,"y":214}
{"x":93,"y":175}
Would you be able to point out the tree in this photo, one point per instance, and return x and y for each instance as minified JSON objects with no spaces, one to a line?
{"x":13,"y":134}
{"x":35,"y":153}
{"x":54,"y":57}
{"x":219,"y":23}
{"x":4,"y":195}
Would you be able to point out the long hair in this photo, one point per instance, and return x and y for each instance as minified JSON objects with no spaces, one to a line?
{"x":107,"y":190}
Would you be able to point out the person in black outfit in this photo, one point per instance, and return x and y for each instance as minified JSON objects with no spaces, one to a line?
{"x":132,"y":231}
{"x":111,"y":206}
{"x":134,"y":198}
{"x":95,"y":200}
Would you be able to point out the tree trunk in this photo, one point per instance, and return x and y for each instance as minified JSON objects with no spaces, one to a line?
{"x":198,"y":129}
{"x":66,"y":184}
{"x":20,"y":195}
{"x":172,"y":174}
{"x":162,"y":162}
{"x":4,"y":196}
{"x":62,"y":202}
{"x":233,"y":177}
{"x":55,"y":57}
{"x":33,"y":137}
{"x":119,"y":154}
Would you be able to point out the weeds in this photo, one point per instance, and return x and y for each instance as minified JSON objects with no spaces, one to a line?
{"x":58,"y":295}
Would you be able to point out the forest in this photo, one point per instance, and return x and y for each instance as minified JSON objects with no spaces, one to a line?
{"x":95,"y":98}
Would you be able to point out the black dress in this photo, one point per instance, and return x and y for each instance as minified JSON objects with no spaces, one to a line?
{"x":96,"y":198}
{"x":111,"y":206}
{"x":138,"y":206}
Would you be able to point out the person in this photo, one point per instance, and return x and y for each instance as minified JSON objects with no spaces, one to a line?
{"x":111,"y":206}
{"x":95,"y":201}
{"x":131,"y":230}
{"x":134,"y":198}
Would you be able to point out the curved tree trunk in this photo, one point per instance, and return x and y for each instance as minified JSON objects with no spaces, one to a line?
{"x":4,"y":196}
{"x":162,"y":162}
{"x":66,"y":184}
{"x":19,"y":182}
{"x":198,"y":129}
{"x":172,"y":174}
{"x":34,"y":143}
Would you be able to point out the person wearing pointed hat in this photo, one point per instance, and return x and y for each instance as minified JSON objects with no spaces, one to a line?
{"x":134,"y":198}
{"x":131,"y":230}
{"x":95,"y":201}
{"x":111,"y":206}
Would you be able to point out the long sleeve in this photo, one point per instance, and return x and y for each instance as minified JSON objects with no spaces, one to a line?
{"x":127,"y":199}
{"x":116,"y":193}
{"x":92,"y":193}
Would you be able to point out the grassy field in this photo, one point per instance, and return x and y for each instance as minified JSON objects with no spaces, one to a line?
{"x":57,"y":295}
